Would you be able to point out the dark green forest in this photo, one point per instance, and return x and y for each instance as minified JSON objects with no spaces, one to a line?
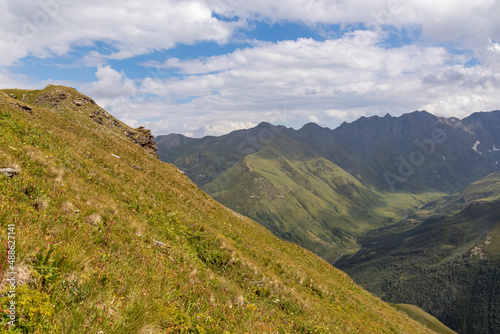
{"x":447,"y":265}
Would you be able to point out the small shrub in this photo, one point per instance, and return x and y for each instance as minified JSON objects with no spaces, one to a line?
{"x":34,"y":311}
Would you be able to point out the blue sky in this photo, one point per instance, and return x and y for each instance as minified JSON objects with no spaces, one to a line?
{"x":207,"y":67}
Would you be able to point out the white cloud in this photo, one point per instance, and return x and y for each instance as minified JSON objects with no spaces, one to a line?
{"x":110,"y":84}
{"x":313,"y":118}
{"x":459,"y":106}
{"x":46,"y":28}
{"x":336,"y":113}
{"x":464,"y":21}
{"x":54,"y":27}
{"x":308,"y":78}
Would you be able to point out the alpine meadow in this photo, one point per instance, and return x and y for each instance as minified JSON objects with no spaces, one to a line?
{"x":110,"y":239}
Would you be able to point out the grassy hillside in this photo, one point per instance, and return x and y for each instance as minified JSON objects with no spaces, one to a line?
{"x":423,"y":317}
{"x":309,"y":201}
{"x":111,"y":240}
{"x":445,"y":259}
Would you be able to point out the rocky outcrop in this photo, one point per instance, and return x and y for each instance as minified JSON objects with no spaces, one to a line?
{"x":22,"y":107}
{"x":102,"y":117}
{"x":68,"y":101}
{"x":52,"y":97}
{"x":144,"y":138}
{"x":9,"y":172}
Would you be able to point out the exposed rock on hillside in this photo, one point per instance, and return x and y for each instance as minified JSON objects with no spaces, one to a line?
{"x":22,"y":107}
{"x":52,"y":97}
{"x":9,"y":172}
{"x":144,"y":138}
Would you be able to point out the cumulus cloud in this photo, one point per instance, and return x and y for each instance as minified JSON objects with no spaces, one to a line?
{"x":303,"y":79}
{"x":55,"y":27}
{"x":110,"y":84}
{"x":322,"y":81}
{"x":459,"y":106}
{"x":463,"y":21}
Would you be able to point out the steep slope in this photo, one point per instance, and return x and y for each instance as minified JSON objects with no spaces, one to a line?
{"x":205,"y":159}
{"x":444,"y":258}
{"x":308,"y":200}
{"x":108,"y":239}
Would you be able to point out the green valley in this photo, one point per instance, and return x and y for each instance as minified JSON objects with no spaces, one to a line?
{"x":311,"y":201}
{"x":446,"y":254}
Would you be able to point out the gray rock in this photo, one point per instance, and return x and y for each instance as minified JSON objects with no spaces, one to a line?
{"x":9,"y":172}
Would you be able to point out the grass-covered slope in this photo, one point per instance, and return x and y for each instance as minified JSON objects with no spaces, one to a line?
{"x":309,"y":200}
{"x":111,"y":240}
{"x":425,"y":318}
{"x":444,"y":258}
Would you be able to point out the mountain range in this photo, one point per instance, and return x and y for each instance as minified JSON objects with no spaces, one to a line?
{"x":323,"y":188}
{"x":99,"y":236}
{"x":408,"y":205}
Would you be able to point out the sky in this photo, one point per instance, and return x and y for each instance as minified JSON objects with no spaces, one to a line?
{"x":208,"y":67}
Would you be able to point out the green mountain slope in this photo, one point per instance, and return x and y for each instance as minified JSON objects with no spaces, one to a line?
{"x":308,"y":201}
{"x":444,"y":258}
{"x":111,"y":240}
{"x":205,"y":159}
{"x":424,"y":318}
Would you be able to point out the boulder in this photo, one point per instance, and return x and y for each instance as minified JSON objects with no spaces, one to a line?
{"x":9,"y":172}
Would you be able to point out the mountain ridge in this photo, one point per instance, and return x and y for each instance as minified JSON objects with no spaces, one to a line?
{"x":368,"y":132}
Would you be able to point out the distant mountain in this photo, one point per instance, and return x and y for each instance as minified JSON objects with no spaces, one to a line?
{"x":415,"y":152}
{"x":206,"y":158}
{"x":100,"y":236}
{"x":444,"y":258}
{"x":324,"y":188}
